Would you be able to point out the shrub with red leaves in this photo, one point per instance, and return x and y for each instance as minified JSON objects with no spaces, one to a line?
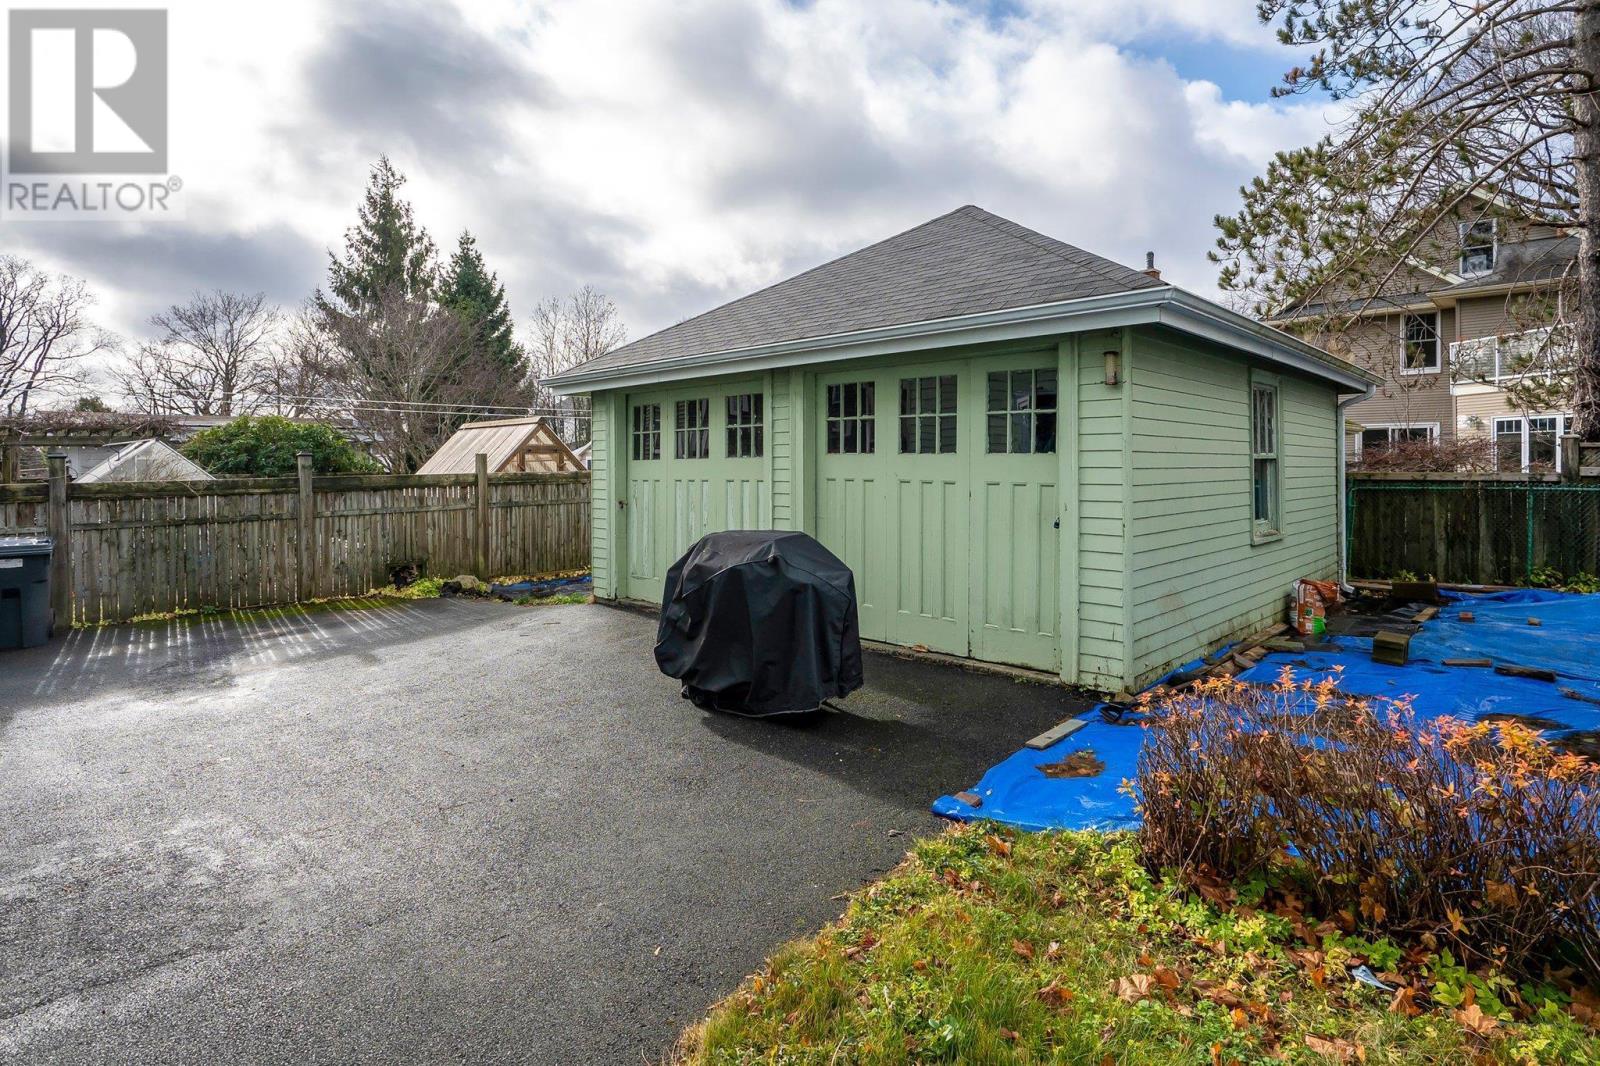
{"x":1483,"y":836}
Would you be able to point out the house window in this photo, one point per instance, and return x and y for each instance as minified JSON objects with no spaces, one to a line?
{"x":1421,"y":346}
{"x":928,"y":415}
{"x":1477,"y":246}
{"x":1022,"y":411}
{"x":851,"y":425}
{"x":1529,"y":443}
{"x":647,"y":431}
{"x":1264,"y":458}
{"x":1508,"y":443}
{"x":744,"y":426}
{"x":1377,"y":438}
{"x":691,"y":433}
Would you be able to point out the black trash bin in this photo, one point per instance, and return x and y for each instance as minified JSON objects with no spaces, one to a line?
{"x":24,"y":591}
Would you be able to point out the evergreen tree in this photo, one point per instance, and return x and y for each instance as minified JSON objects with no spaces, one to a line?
{"x":386,"y":252}
{"x":475,"y":295}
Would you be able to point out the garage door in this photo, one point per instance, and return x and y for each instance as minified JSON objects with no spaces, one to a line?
{"x":697,"y":462}
{"x":937,"y":485}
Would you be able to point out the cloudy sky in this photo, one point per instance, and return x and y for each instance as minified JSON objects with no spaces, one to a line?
{"x":675,"y":154}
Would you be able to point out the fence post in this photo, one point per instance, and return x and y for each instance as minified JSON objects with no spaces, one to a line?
{"x":1570,"y":460}
{"x":482,"y":470}
{"x":10,"y":460}
{"x":59,"y":523}
{"x":305,"y":570}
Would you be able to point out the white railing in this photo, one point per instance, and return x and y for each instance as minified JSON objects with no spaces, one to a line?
{"x":1541,"y":352}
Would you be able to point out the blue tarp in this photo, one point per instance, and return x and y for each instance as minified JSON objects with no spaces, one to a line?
{"x":555,"y":586}
{"x":1017,"y":793}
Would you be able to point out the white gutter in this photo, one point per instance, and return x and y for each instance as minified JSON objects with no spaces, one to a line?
{"x":1344,"y":517}
{"x":1166,"y":306}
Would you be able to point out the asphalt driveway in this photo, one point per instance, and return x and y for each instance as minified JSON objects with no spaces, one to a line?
{"x":436,"y":832}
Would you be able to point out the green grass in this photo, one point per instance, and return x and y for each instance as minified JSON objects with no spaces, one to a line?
{"x":989,"y":947}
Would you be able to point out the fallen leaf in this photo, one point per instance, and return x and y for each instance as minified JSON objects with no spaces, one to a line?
{"x":1010,"y":1034}
{"x":1332,"y":1047}
{"x":1456,"y":924}
{"x":1405,"y":1002}
{"x":1133,"y":989}
{"x":998,"y":845}
{"x":1475,"y":1021}
{"x":1023,"y":948}
{"x":1054,"y":950}
{"x":1055,"y":995}
{"x":1240,"y":1018}
{"x":1166,"y":978}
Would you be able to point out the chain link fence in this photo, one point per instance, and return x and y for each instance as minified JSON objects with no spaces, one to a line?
{"x":1474,"y":530}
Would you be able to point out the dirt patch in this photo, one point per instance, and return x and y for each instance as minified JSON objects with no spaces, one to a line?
{"x":1083,"y":763}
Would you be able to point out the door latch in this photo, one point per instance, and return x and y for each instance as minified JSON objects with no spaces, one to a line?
{"x":1058,"y":523}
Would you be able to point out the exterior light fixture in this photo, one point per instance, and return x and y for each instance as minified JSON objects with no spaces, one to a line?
{"x":1113,"y":367}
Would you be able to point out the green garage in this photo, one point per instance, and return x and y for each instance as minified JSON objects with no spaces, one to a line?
{"x":1026,"y":453}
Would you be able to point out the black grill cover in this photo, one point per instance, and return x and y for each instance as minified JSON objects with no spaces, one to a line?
{"x":760,"y":622}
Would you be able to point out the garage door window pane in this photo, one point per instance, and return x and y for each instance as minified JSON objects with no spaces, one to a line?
{"x":692,"y":431}
{"x":646,"y":431}
{"x":1044,"y":431}
{"x":1022,"y":411}
{"x":927,"y":415}
{"x":744,"y":426}
{"x":849,"y":419}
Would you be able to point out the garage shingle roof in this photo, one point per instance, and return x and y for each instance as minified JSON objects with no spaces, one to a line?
{"x":966,"y":262}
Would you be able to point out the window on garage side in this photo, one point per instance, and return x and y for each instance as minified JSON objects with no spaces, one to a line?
{"x":691,"y":433}
{"x":851,"y":418}
{"x":928,"y":414}
{"x":647,"y":431}
{"x":1264,"y":479}
{"x":1022,"y":411}
{"x":745,"y":426}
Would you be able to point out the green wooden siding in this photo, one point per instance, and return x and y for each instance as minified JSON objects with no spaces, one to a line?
{"x":1102,"y":601}
{"x":1154,"y":561}
{"x":603,"y":465}
{"x":1197,"y":577}
{"x":781,"y":430}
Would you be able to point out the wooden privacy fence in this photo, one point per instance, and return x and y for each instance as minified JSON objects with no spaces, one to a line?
{"x":138,"y":548}
{"x":1476,"y":529}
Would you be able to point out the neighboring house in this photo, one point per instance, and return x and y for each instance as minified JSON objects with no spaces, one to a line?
{"x":1025,"y":453}
{"x":585,"y":452}
{"x":526,"y":445}
{"x":1451,"y":331}
{"x":146,"y":460}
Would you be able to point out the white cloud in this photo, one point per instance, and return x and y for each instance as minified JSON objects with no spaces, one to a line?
{"x":675,"y":154}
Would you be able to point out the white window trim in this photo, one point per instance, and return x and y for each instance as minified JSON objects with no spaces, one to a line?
{"x":1438,"y":346}
{"x":1267,"y":532}
{"x":1431,"y":427}
{"x":1462,"y":229}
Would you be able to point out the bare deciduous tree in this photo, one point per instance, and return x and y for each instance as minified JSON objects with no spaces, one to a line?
{"x":211,"y":356}
{"x":564,"y":334}
{"x":301,"y":367}
{"x":45,"y":333}
{"x":406,"y":370}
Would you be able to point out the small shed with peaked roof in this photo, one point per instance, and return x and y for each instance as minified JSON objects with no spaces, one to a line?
{"x":146,"y":460}
{"x":513,"y":445}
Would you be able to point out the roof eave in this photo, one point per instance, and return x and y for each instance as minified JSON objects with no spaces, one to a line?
{"x":1166,"y":305}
